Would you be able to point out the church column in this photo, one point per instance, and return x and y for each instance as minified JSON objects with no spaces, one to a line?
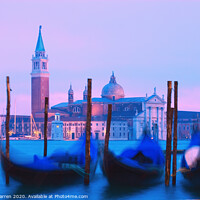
{"x":150,"y":120}
{"x":145,"y":115}
{"x":162,"y":122}
{"x":157,"y":122}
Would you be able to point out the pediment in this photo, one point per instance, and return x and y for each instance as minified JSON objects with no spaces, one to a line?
{"x":155,"y":99}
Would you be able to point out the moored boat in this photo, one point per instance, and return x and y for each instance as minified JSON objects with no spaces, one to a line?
{"x":143,"y":165}
{"x":190,"y":163}
{"x":59,"y":168}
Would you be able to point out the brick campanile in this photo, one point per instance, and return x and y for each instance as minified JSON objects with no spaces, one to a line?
{"x":39,"y":77}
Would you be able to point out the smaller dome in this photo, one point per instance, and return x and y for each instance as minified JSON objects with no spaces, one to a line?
{"x":112,"y":90}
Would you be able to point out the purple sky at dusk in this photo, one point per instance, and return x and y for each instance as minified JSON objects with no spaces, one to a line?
{"x":145,"y":42}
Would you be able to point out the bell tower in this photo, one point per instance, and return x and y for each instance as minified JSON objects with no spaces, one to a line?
{"x":85,"y":93}
{"x":70,"y":95}
{"x":39,"y":77}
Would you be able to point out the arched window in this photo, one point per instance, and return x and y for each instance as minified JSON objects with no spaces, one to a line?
{"x":76,"y":110}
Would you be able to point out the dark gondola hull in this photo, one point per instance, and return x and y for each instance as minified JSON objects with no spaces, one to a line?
{"x":192,"y":176}
{"x":39,"y":177}
{"x":190,"y":163}
{"x":118,"y":173}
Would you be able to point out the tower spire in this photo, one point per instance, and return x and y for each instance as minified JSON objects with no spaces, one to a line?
{"x":40,"y":44}
{"x":70,"y":95}
{"x":85,"y":93}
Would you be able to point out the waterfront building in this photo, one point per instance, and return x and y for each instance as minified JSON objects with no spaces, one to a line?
{"x":74,"y":128}
{"x":188,"y":121}
{"x":138,"y":112}
{"x":130,"y":115}
{"x":57,"y":128}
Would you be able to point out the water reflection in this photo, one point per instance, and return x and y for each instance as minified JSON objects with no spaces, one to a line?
{"x":121,"y":192}
{"x":116,"y":192}
{"x":191,"y":189}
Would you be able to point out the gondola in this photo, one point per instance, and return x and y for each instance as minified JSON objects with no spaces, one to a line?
{"x":59,"y":168}
{"x":190,"y":163}
{"x":141,"y":166}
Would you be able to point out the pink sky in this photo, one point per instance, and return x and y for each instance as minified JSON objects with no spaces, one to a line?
{"x":144,"y":42}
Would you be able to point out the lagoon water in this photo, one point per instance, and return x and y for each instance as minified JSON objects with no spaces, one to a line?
{"x":99,"y":188}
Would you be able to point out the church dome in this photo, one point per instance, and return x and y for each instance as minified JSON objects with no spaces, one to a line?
{"x":112,"y":90}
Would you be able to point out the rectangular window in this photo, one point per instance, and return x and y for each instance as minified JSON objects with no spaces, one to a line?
{"x":36,"y":65}
{"x":102,"y":128}
{"x":103,"y":134}
{"x":44,"y":65}
{"x":96,"y":124}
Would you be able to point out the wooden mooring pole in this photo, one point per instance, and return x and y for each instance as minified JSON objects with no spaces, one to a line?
{"x":175,"y":131}
{"x":7,"y":125}
{"x":108,"y":127}
{"x":45,"y":125}
{"x":169,"y":135}
{"x":88,"y":133}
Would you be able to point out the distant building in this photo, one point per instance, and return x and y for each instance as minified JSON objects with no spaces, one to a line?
{"x":188,"y":121}
{"x":74,"y":128}
{"x":39,"y":77}
{"x":2,"y":125}
{"x":138,"y":112}
{"x":130,"y":115}
{"x":153,"y":116}
{"x":57,"y":128}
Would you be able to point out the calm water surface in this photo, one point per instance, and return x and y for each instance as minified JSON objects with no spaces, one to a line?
{"x":99,"y":187}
